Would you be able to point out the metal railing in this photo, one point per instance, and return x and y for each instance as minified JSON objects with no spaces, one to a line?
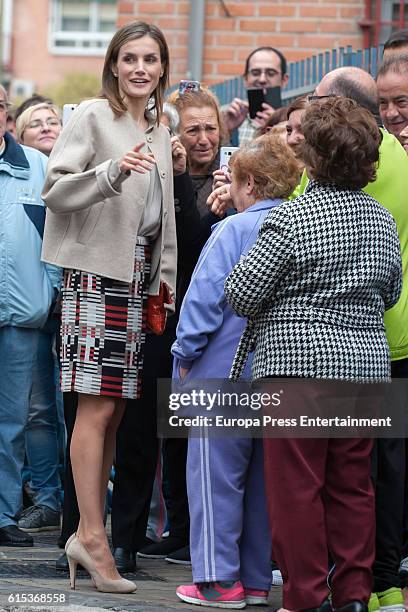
{"x":305,"y":74}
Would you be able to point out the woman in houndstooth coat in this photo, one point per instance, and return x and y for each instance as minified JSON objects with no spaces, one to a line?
{"x":314,"y":288}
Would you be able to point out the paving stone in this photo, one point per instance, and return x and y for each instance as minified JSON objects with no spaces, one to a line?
{"x":32,"y":570}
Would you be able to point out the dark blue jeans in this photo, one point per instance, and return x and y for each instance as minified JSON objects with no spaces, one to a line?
{"x":42,"y":448}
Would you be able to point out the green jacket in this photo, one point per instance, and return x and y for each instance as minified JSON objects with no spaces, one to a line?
{"x":391,"y":190}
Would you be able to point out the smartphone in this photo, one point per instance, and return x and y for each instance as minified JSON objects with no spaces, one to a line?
{"x":67,"y":111}
{"x":225,"y":156}
{"x":273,"y":97}
{"x":256,"y":97}
{"x":188,"y":86}
{"x":255,"y":100}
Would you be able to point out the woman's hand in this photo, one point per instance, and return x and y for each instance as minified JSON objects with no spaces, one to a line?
{"x":183,"y":372}
{"x":135,"y":161}
{"x":220,"y":178}
{"x":219,"y":200}
{"x":179,"y":155}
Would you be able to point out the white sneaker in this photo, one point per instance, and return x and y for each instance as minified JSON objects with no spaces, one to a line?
{"x":277,"y":579}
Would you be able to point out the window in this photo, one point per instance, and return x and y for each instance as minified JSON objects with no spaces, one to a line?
{"x":82,"y":27}
{"x":395,"y":16}
{"x":384,"y":17}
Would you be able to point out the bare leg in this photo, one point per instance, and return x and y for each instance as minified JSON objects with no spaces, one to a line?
{"x":108,"y":453}
{"x":87,"y":457}
{"x":109,"y":448}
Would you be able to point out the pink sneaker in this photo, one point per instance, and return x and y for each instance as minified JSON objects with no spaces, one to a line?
{"x":214,"y":594}
{"x":254,"y":597}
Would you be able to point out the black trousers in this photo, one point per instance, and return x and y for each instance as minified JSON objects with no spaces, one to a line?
{"x":174,"y":462}
{"x":389,"y":464}
{"x":70,"y":511}
{"x":137,"y":448}
{"x":136,"y":457}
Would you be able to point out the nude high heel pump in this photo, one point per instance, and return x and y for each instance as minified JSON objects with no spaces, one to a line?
{"x":71,"y":563}
{"x":68,"y":542}
{"x":77,"y":553}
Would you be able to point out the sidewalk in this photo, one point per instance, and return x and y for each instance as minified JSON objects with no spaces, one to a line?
{"x":25,"y":571}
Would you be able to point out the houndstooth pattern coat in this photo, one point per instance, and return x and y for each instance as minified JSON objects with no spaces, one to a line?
{"x":315,"y":286}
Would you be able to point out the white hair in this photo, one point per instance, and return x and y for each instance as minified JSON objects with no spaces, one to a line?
{"x":173,"y":116}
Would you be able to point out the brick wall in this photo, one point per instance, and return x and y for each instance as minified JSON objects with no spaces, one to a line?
{"x":31,"y":59}
{"x":298,"y":28}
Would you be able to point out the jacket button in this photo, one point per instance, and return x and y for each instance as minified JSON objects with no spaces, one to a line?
{"x":149,"y":139}
{"x":177,"y":208}
{"x":162,"y":174}
{"x":176,"y":201}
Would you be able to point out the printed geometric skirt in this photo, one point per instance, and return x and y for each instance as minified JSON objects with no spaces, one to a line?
{"x":103,"y":329}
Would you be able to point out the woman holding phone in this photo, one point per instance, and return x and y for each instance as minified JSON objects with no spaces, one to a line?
{"x":110,"y":225}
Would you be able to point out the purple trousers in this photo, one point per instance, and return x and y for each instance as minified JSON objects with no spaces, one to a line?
{"x":229,"y":530}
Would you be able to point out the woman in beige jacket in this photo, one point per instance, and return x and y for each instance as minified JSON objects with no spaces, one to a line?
{"x":110,"y":225}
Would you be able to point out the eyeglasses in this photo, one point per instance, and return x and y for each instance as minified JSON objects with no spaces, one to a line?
{"x":313,"y":98}
{"x":269,"y":72}
{"x":4,"y":106}
{"x":50,"y":122}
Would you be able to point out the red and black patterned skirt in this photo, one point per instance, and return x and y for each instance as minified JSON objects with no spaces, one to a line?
{"x":103,"y":329}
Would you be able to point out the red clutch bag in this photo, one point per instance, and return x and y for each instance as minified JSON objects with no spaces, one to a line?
{"x":156,"y":311}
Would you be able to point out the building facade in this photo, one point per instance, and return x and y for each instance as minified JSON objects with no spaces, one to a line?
{"x":44,"y":40}
{"x":300,"y":28}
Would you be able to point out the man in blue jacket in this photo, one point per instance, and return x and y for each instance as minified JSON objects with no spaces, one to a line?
{"x":28,"y":289}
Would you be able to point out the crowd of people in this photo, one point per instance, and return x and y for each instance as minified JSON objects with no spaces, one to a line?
{"x":129,"y":256}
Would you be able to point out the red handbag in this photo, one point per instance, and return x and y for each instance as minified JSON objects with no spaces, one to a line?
{"x":156,"y":311}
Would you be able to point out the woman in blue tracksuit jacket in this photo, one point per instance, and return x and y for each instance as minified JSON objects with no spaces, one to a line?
{"x":229,"y":533}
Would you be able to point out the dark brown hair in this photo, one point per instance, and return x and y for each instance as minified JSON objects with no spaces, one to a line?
{"x":298,"y":104}
{"x":397,"y":40}
{"x":341,"y":143}
{"x":272,"y":164}
{"x":283,"y":62}
{"x":110,"y":88}
{"x":281,"y":115}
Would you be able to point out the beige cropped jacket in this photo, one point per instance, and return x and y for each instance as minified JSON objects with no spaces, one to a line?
{"x":93,"y":210}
